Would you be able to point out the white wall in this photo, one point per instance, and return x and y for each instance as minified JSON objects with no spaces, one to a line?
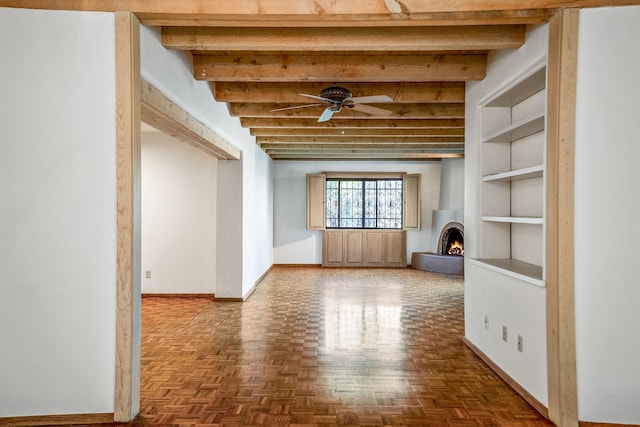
{"x":294,"y":244}
{"x":178,"y":216}
{"x":510,"y":302}
{"x":171,"y":72}
{"x":607,"y":202}
{"x":58,"y":213}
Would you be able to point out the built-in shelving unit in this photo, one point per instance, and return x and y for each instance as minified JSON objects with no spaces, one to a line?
{"x":512,"y":192}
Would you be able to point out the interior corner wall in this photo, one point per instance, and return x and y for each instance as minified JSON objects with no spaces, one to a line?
{"x":452,"y":184}
{"x":58,"y":215}
{"x":229,"y":223}
{"x":171,"y":72}
{"x":178,"y":217}
{"x":506,"y":301}
{"x":607,"y":202}
{"x":294,"y":244}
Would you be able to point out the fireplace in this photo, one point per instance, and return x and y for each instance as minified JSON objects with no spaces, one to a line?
{"x":450,"y":252}
{"x":451,"y":241}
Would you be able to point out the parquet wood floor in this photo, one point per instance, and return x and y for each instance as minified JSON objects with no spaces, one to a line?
{"x":322,"y":347}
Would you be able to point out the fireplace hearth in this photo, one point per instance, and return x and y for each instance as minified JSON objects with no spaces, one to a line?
{"x":450,"y":256}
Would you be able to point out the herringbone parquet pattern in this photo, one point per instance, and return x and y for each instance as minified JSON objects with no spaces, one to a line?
{"x":322,"y":347}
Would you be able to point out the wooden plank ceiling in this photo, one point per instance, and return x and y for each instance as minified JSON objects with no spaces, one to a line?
{"x":258,"y":69}
{"x":260,"y":55}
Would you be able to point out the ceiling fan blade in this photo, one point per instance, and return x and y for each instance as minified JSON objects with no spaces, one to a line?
{"x":375,"y":111}
{"x":326,"y":115}
{"x":297,"y":106}
{"x":320,"y":98}
{"x":370,"y":99}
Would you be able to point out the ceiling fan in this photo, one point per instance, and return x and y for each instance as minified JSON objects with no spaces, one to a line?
{"x":336,"y":97}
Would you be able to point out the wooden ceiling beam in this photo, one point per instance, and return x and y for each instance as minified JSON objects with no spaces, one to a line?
{"x":361,"y":146}
{"x":442,"y":133}
{"x":352,"y":150}
{"x":336,"y":122}
{"x":400,"y":92}
{"x":318,"y":10}
{"x":501,"y":17}
{"x":345,"y":39}
{"x":364,"y":156}
{"x":353,"y":139}
{"x":398,"y":111}
{"x":340,"y":68}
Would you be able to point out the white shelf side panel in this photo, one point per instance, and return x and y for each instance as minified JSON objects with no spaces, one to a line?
{"x":496,"y":158}
{"x":494,"y":119}
{"x":529,"y":107}
{"x":528,"y":151}
{"x":495,"y":239}
{"x":527,"y":243}
{"x":496,"y":198}
{"x":527,"y":198}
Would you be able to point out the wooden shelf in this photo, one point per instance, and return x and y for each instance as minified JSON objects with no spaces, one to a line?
{"x":514,"y":219}
{"x":526,"y":272}
{"x":515,"y":175}
{"x":518,"y":130}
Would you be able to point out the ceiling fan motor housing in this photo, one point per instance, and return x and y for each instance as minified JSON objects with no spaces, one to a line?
{"x":336,"y":93}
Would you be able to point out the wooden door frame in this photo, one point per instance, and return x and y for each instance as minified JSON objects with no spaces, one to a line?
{"x":561,"y":114}
{"x":127,"y":366}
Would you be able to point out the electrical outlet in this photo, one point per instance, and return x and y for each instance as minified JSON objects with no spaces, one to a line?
{"x":486,"y":321}
{"x":148,"y":274}
{"x":504,"y":333}
{"x":520,"y":343}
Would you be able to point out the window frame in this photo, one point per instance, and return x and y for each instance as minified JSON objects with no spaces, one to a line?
{"x":363,"y":217}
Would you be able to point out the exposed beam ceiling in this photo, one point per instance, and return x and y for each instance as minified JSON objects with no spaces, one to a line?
{"x":261,"y":55}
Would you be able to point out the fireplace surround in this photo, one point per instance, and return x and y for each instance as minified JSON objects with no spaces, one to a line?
{"x":449,"y":258}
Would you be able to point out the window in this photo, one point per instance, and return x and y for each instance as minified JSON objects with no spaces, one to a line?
{"x":323,"y":200}
{"x":363,"y":203}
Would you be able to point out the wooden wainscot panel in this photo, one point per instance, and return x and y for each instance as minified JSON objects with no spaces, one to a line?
{"x":369,"y":248}
{"x":332,"y":248}
{"x":354,"y":249}
{"x":373,"y":248}
{"x":395,"y":249}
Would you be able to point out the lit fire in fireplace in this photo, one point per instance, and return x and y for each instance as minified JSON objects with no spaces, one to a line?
{"x":456,"y":249}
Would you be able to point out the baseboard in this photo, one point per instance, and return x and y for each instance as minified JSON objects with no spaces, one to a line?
{"x":537,"y":405}
{"x":57,"y":420}
{"x":297,"y":265}
{"x":208,"y":296}
{"x":590,"y":424}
